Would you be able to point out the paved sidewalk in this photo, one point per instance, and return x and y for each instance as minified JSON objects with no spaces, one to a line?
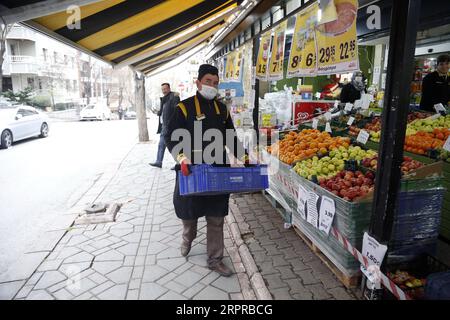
{"x":290,"y":269}
{"x":138,"y":256}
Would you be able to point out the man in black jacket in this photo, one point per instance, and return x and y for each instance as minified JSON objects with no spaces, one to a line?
{"x":436,"y":85}
{"x":352,"y":91}
{"x":169,"y":102}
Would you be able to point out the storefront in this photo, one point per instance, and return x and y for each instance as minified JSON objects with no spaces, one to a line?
{"x":326,"y":163}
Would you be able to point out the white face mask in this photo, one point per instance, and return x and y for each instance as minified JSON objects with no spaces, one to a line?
{"x":358,"y":79}
{"x":208,"y":92}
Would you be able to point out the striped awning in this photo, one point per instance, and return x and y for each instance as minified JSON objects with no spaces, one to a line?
{"x":142,"y":33}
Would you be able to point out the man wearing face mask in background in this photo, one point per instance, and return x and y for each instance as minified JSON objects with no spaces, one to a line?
{"x":352,"y":91}
{"x":436,"y":85}
{"x":202,"y":109}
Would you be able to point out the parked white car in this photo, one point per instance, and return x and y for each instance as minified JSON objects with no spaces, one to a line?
{"x":95,"y":112}
{"x":130,"y":115}
{"x":21,"y":122}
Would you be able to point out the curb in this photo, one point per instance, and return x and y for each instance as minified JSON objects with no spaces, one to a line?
{"x":256,"y":279}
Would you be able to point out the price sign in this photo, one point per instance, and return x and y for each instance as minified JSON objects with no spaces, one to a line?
{"x":277,"y":57}
{"x":375,"y":253}
{"x":327,"y":211}
{"x":439,"y":108}
{"x":363,"y":136}
{"x":447,"y":144}
{"x":358,"y":104}
{"x":337,"y":47}
{"x":366,"y":99}
{"x":229,"y":67}
{"x":301,"y":201}
{"x":328,"y":128}
{"x":328,"y":116}
{"x":336,"y":104}
{"x":315,"y":123}
{"x":237,"y":68}
{"x":348,"y":107}
{"x":302,"y":57}
{"x":313,"y":215}
{"x":263,"y":56}
{"x":350,"y":121}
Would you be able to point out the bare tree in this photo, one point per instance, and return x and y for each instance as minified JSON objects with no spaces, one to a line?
{"x":4,"y":30}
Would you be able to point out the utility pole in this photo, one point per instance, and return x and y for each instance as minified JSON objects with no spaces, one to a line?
{"x":141,"y":114}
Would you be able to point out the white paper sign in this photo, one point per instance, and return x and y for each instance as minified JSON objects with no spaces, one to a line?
{"x":363,"y":136}
{"x":336,"y":104}
{"x":374,"y":252}
{"x":350,"y":121}
{"x":439,"y":107}
{"x":328,"y":127}
{"x":315,"y":123}
{"x":348,"y":106}
{"x":447,"y":144}
{"x":233,"y":92}
{"x":313,"y":215}
{"x":366,"y":99}
{"x":301,"y":201}
{"x":318,"y":95}
{"x":358,"y":104}
{"x":328,"y":116}
{"x":327,"y":211}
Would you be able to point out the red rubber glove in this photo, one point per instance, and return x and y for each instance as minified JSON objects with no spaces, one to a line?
{"x":185,"y":167}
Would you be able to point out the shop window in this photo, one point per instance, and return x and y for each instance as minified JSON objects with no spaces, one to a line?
{"x":13,"y":50}
{"x":30,"y":82}
{"x":55,"y":57}
{"x":265,"y":22}
{"x":277,"y":14}
{"x":45,"y":53}
{"x":293,"y":5}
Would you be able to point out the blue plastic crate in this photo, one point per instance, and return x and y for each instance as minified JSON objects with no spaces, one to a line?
{"x":209,"y":180}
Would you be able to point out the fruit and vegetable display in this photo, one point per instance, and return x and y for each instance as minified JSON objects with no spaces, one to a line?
{"x":349,"y":185}
{"x":421,"y":141}
{"x":306,"y":144}
{"x":427,"y":125}
{"x":444,"y":155}
{"x":412,"y":285}
{"x":408,"y":164}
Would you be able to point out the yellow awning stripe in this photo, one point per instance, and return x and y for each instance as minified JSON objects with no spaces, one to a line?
{"x":137,"y":23}
{"x":59,"y":20}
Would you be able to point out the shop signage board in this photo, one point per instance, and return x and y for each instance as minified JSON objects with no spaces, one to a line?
{"x":238,"y":62}
{"x":277,"y":57}
{"x":263,"y":56}
{"x":302,"y":58}
{"x":337,"y":47}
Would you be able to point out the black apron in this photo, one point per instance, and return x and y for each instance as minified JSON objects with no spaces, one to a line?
{"x":193,"y":207}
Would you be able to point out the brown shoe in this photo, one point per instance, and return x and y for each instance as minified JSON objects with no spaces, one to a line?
{"x":221,"y":269}
{"x":185,"y":248}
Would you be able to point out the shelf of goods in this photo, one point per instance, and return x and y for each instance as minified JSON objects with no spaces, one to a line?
{"x":333,"y":167}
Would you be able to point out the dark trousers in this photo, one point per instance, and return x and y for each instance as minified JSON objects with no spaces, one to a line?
{"x":214,"y":237}
{"x":161,"y":149}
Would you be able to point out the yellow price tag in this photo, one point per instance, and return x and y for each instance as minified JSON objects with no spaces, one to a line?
{"x":263,"y":56}
{"x":277,"y":58}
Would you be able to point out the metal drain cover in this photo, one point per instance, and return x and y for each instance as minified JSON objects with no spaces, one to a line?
{"x":99,"y":213}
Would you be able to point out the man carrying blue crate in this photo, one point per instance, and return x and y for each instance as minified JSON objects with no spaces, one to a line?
{"x":193,"y":118}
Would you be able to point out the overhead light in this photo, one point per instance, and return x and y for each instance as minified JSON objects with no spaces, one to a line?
{"x":244,"y":3}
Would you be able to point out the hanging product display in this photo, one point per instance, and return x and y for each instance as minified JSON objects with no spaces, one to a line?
{"x":263,"y":56}
{"x":221,"y":67}
{"x":277,"y":57}
{"x":238,"y":62}
{"x":302,"y":58}
{"x":336,"y":41}
{"x":229,"y":67}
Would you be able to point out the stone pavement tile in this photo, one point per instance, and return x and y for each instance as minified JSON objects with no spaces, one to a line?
{"x":175,"y":286}
{"x":84,"y":296}
{"x":132,"y":295}
{"x":139,"y":261}
{"x":116,"y":292}
{"x":78,"y":287}
{"x":227,"y":284}
{"x":153,"y":273}
{"x":9,"y":289}
{"x":50,"y":265}
{"x":121,"y":275}
{"x":210,"y":278}
{"x":296,"y":287}
{"x":111,"y":255}
{"x":151,"y":291}
{"x":71,"y":269}
{"x":171,"y":296}
{"x":340,"y":293}
{"x":279,"y":261}
{"x":65,"y":253}
{"x":329,"y":281}
{"x":199,"y":259}
{"x":169,"y":253}
{"x":203,"y":271}
{"x":318,"y":291}
{"x":267,"y":268}
{"x":50,"y":278}
{"x":274,"y":281}
{"x":129,"y":261}
{"x":298,"y":265}
{"x":23,"y":293}
{"x":39,"y":295}
{"x":188,"y":278}
{"x":156,"y":247}
{"x":236,"y":296}
{"x":281,"y":294}
{"x":105,"y":267}
{"x":34,"y":278}
{"x":171,"y":263}
{"x":98,"y":278}
{"x":286,"y":272}
{"x":63,"y":294}
{"x":134,"y":284}
{"x":318,"y":267}
{"x":211,"y":293}
{"x":58,"y":286}
{"x":104,"y":286}
{"x":129,"y":249}
{"x":307,"y":277}
{"x":138,"y":272}
{"x":150,"y":259}
{"x":169,"y":276}
{"x":192,"y":291}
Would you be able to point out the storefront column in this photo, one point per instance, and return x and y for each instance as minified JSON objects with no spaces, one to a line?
{"x":404,"y":21}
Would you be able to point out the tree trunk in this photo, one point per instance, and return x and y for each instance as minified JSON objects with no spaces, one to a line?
{"x":140,"y":106}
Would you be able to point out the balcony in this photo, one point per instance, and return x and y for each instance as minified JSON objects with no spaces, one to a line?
{"x":22,"y":65}
{"x":21,"y":33}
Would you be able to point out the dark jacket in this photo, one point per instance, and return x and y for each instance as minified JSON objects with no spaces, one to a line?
{"x":168,"y":104}
{"x":350,"y":94}
{"x":435,"y":89}
{"x":193,"y":207}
